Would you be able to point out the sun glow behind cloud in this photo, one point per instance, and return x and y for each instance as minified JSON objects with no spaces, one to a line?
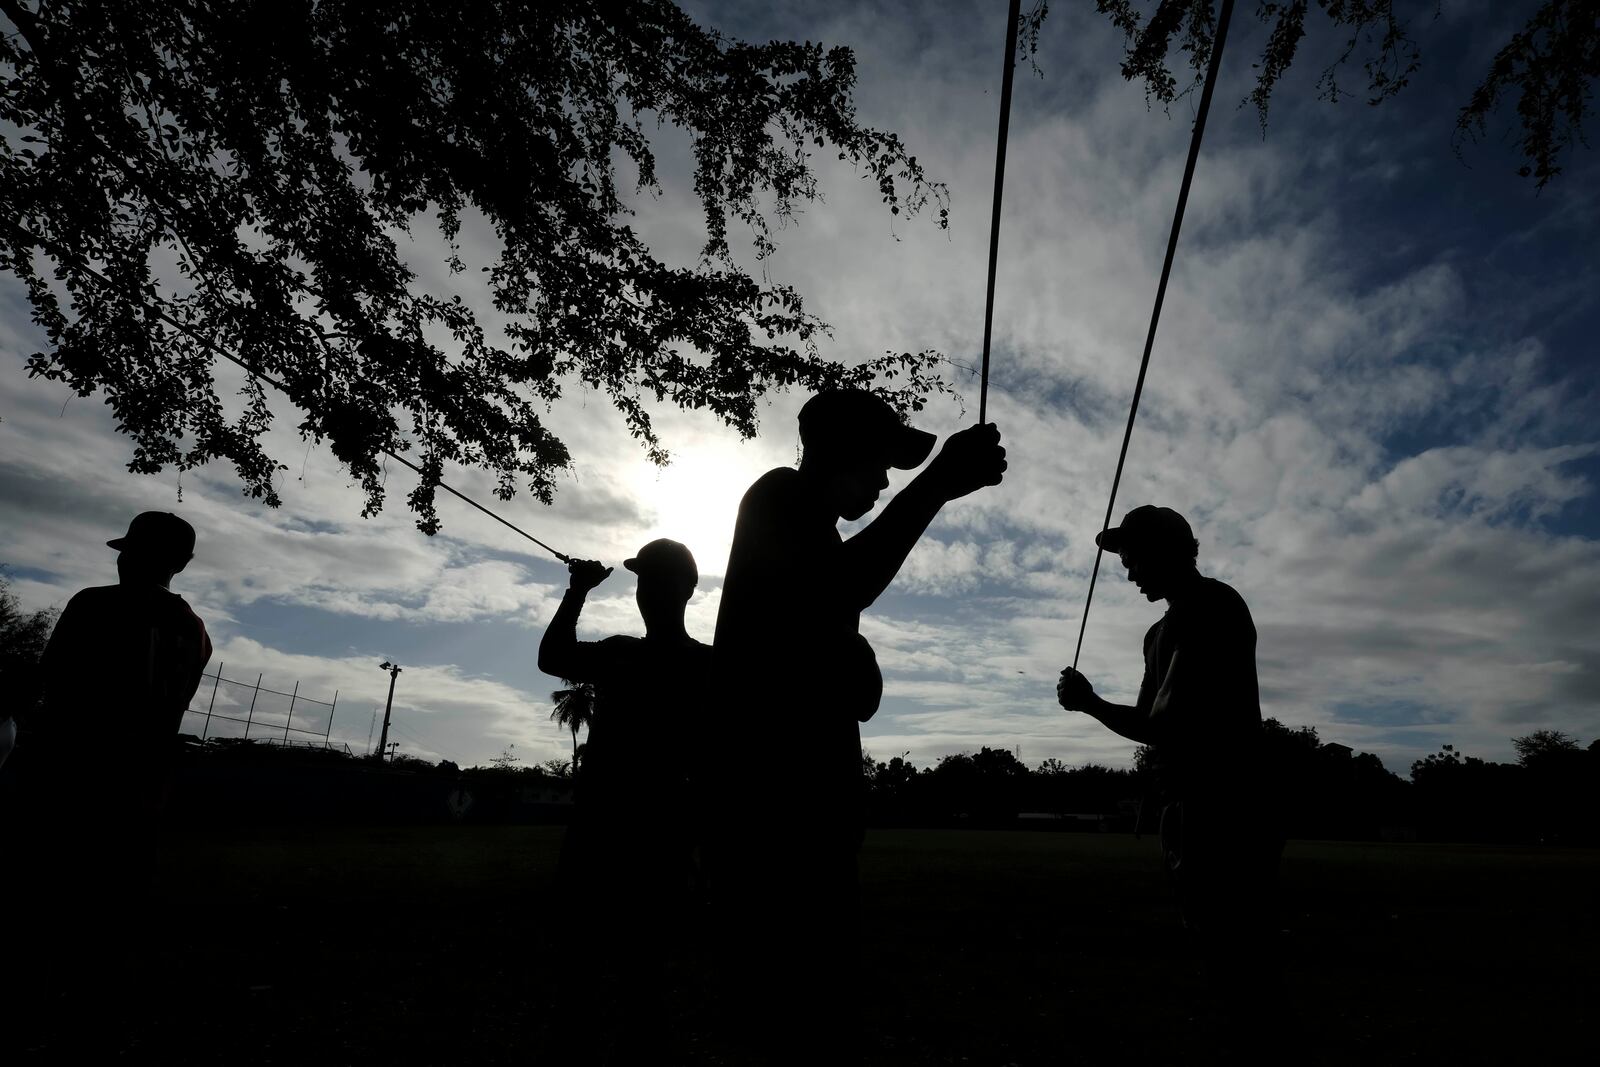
{"x":1389,"y":454}
{"x":695,"y":498}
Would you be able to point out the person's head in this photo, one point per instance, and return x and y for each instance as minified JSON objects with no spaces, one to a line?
{"x":851,"y":438}
{"x":157,"y":546}
{"x":1157,"y":547}
{"x":667,"y":577}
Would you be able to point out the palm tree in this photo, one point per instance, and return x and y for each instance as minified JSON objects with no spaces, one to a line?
{"x":574,"y":708}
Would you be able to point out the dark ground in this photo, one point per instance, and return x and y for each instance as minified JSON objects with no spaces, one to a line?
{"x":439,"y":945}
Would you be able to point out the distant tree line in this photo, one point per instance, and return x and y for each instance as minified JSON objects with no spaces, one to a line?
{"x":1317,"y":790}
{"x":993,"y":786}
{"x":1550,"y":794}
{"x":23,"y":635}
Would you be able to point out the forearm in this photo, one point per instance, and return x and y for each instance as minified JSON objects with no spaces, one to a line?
{"x":874,"y":556}
{"x":1123,"y":719}
{"x":560,"y":641}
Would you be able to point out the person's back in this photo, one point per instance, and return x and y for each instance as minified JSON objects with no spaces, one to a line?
{"x":121,"y":667}
{"x":646,"y":690}
{"x":96,"y":754}
{"x":627,"y":853}
{"x":123,"y":662}
{"x":634,"y":779}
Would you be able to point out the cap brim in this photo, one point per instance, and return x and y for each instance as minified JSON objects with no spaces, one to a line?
{"x":1112,"y":540}
{"x":632,"y":564}
{"x":118,"y":543}
{"x":910,"y":447}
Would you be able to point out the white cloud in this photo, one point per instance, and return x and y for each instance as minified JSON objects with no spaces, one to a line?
{"x":1366,"y":452}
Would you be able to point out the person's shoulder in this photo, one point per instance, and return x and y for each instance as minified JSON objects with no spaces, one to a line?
{"x":691,"y":656}
{"x":1222,"y":595}
{"x":96,"y":600}
{"x":1223,"y":607}
{"x":779,"y":483}
{"x":781,"y":506}
{"x":170,"y":607}
{"x":614,"y":654}
{"x":95,"y":594}
{"x":181,"y":604}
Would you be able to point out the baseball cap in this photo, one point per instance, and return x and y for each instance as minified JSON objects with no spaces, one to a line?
{"x":855,"y":420}
{"x":1148,"y":526}
{"x":666,"y":557}
{"x":157,"y":531}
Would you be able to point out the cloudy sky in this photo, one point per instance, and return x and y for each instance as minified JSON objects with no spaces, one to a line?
{"x":1372,"y":394}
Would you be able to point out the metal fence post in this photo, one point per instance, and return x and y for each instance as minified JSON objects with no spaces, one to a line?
{"x":290,"y":719}
{"x":252,"y":715}
{"x":212,"y":706}
{"x":329,"y":732}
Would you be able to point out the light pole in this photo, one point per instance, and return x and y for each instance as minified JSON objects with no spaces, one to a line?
{"x":383,"y":739}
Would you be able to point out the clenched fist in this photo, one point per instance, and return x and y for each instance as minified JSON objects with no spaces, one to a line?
{"x":1074,"y":692}
{"x":969,"y":460}
{"x":586,"y":574}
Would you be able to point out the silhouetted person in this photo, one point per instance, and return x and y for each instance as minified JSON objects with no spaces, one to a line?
{"x":627,"y":857}
{"x":124,"y":660}
{"x":795,"y":678}
{"x":1199,"y":710}
{"x":116,"y":677}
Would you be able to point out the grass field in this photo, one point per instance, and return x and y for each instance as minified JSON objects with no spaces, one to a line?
{"x":437,"y":944}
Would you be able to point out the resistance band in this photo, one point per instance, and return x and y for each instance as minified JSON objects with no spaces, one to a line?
{"x":1161,"y":294}
{"x":999,"y":183}
{"x":218,"y":350}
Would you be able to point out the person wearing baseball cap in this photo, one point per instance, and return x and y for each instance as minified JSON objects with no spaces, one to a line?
{"x":99,"y":751}
{"x":72,"y":672}
{"x":157,"y":535}
{"x":628,"y":850}
{"x":1199,"y":711}
{"x":795,"y":678}
{"x":124,"y":660}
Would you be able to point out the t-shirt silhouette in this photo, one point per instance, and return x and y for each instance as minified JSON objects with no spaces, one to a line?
{"x":649,"y":710}
{"x":122,"y":665}
{"x":796,"y":674}
{"x":1209,"y":742}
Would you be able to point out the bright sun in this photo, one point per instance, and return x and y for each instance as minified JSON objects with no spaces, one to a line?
{"x":696,"y":498}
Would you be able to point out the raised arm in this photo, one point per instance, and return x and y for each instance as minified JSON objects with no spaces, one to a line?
{"x":560,"y":652}
{"x":969,"y":460}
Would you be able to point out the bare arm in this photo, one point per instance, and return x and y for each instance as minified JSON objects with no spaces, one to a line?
{"x":969,"y":460}
{"x":1125,"y":720}
{"x":1074,"y":693}
{"x":560,"y":651}
{"x":875,"y":555}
